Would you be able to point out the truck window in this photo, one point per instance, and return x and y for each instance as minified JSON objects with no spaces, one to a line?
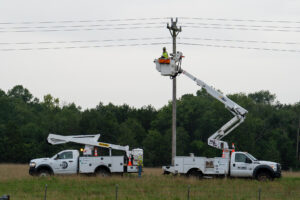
{"x":239,"y":157}
{"x":66,"y":155}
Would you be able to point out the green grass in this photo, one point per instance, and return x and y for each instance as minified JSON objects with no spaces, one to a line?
{"x":152,"y":185}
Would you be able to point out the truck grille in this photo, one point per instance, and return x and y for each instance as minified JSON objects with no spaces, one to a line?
{"x":278,"y":167}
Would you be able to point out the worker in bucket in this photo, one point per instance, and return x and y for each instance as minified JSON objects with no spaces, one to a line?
{"x":165,"y":54}
{"x":140,"y":165}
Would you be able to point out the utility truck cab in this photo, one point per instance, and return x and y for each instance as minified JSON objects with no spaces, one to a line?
{"x":64,"y":162}
{"x":70,"y":161}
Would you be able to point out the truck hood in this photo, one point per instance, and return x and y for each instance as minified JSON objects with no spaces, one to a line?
{"x":40,"y":160}
{"x":269,"y":163}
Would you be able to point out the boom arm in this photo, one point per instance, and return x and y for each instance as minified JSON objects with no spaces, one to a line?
{"x":238,"y":112}
{"x":91,"y":140}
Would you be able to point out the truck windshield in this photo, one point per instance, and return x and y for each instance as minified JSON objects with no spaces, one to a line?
{"x":251,"y":157}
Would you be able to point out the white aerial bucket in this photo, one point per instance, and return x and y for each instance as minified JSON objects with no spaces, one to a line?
{"x":166,"y":69}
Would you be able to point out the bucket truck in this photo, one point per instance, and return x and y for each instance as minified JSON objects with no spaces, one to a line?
{"x":232,"y":163}
{"x":70,"y":161}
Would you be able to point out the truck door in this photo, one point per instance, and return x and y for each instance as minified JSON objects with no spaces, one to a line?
{"x":241,"y":165}
{"x":65,"y":163}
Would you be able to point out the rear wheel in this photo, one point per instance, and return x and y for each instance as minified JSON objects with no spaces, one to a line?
{"x":103,"y":172}
{"x":264,"y":176}
{"x":194,"y":174}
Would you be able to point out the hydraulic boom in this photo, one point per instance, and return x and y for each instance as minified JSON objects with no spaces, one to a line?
{"x":239,"y":114}
{"x":173,"y":68}
{"x":87,"y":140}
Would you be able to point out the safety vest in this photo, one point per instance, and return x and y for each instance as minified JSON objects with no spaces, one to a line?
{"x":140,"y":161}
{"x":165,"y":55}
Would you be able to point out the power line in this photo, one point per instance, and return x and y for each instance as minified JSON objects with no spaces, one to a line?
{"x":80,"y":26}
{"x":239,"y":47}
{"x":84,"y":29}
{"x":82,"y":41}
{"x":84,"y":47}
{"x":240,"y":20}
{"x":243,"y":25}
{"x":242,"y":29}
{"x":150,"y":23}
{"x":154,"y":38}
{"x":85,"y":21}
{"x":147,"y":19}
{"x":147,"y":44}
{"x":242,"y":41}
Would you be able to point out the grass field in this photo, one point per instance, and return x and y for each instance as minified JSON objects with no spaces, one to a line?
{"x":14,"y":180}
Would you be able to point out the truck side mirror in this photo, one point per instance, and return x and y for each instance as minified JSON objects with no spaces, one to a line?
{"x":248,"y":160}
{"x":56,"y":157}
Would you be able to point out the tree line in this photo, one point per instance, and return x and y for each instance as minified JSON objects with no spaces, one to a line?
{"x":269,"y":131}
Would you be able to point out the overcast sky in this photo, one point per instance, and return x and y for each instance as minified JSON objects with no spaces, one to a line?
{"x":127,"y":75}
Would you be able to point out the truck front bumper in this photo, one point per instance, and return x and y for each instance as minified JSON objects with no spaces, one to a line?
{"x":33,"y":171}
{"x":277,"y":173}
{"x":169,"y":169}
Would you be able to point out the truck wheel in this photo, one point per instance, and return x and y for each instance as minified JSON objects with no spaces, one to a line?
{"x":102,"y":173}
{"x":44,"y":173}
{"x":166,"y":173}
{"x":263,"y":176}
{"x":194,"y":174}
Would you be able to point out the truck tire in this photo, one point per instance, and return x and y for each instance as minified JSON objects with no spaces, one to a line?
{"x":264,"y":176}
{"x":44,"y":173}
{"x":194,"y":174}
{"x":102,"y":172}
{"x":166,"y":173}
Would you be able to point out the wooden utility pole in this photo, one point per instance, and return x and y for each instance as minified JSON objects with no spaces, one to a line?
{"x":297,"y":146}
{"x":174,"y":30}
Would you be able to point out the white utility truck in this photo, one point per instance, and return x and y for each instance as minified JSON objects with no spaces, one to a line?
{"x":70,"y":161}
{"x":234,"y":164}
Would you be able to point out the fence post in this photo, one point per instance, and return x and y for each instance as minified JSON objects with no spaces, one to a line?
{"x":188,"y":194}
{"x":259,"y":191}
{"x":45,"y":196}
{"x":116,"y":191}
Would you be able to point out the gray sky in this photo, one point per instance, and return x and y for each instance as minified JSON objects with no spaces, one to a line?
{"x":127,"y":74}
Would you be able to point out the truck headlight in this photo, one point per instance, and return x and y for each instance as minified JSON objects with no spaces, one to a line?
{"x":273,"y":167}
{"x":32,"y":164}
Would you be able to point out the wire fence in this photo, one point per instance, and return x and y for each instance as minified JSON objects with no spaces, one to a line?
{"x":190,"y":193}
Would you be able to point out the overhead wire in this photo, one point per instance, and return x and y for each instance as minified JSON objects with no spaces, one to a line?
{"x":149,"y":23}
{"x":84,"y":41}
{"x":80,"y":26}
{"x":243,"y":25}
{"x":141,"y":25}
{"x":149,"y":44}
{"x":84,"y":29}
{"x":239,"y":47}
{"x":239,"y":20}
{"x":84,"y":21}
{"x":242,"y":29}
{"x":153,"y":18}
{"x":148,"y":38}
{"x":242,"y":41}
{"x":84,"y":47}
